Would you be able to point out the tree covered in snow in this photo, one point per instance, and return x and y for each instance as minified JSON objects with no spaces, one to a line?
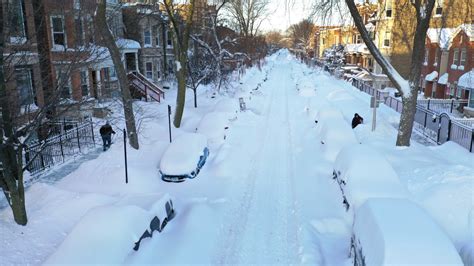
{"x":408,"y":89}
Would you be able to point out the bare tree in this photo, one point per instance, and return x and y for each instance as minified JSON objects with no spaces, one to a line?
{"x":182,"y":32}
{"x":248,"y":15}
{"x":109,"y":41}
{"x":407,"y":88}
{"x":300,"y":33}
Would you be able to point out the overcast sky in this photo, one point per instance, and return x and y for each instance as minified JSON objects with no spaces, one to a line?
{"x":282,"y":16}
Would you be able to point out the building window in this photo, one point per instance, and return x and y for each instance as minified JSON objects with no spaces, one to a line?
{"x":436,"y":57}
{"x":427,"y":54}
{"x":458,"y":93}
{"x":169,"y":39}
{"x":147,"y":38}
{"x":358,"y":38}
{"x":456,"y":57}
{"x":79,"y":27}
{"x":463,"y":57}
{"x":388,"y":9}
{"x":157,"y":36}
{"x":149,"y":70}
{"x":112,"y":73}
{"x":158,"y":67}
{"x":58,"y":33}
{"x":386,"y":39}
{"x":170,"y":66}
{"x":84,"y":83}
{"x":24,"y":85}
{"x":439,"y":8}
{"x":17,"y":21}
{"x":64,"y":83}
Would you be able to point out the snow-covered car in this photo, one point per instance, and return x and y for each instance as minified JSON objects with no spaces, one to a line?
{"x":228,"y":106}
{"x":335,"y":135}
{"x":363,"y":173}
{"x":184,"y":157}
{"x":399,"y":232}
{"x":214,"y":126}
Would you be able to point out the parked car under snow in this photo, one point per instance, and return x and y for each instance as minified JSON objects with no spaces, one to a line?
{"x":184,"y":157}
{"x":214,"y":126}
{"x":363,"y":173}
{"x":399,"y":232}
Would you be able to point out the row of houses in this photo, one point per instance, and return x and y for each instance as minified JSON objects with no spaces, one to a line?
{"x":447,"y":71}
{"x":53,"y":54}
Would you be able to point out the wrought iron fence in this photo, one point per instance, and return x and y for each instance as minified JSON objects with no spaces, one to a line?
{"x":433,"y":117}
{"x":59,"y":148}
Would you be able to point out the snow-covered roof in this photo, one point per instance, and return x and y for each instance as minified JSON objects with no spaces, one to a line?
{"x":356,"y":48}
{"x":182,"y":155}
{"x":352,"y":165}
{"x":431,"y":76}
{"x":213,"y":125}
{"x":441,"y":36}
{"x":370,"y":27}
{"x":100,"y":57}
{"x":399,"y":232}
{"x":443,"y":79}
{"x":128,"y":44}
{"x":467,"y":28}
{"x":467,"y":80}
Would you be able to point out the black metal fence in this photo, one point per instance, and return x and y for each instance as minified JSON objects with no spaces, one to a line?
{"x":59,"y":148}
{"x":432,"y":117}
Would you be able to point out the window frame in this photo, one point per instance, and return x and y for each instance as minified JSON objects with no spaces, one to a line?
{"x":63,"y":32}
{"x":22,"y":37}
{"x":456,"y":56}
{"x":384,"y":44}
{"x":146,"y":37}
{"x":31,"y":98}
{"x":388,"y":9}
{"x":462,"y":62}
{"x":149,"y":72}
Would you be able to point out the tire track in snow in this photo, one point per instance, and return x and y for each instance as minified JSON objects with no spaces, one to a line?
{"x":263,"y":228}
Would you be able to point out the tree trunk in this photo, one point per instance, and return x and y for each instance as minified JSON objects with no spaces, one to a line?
{"x":181,"y":97}
{"x":109,"y":41}
{"x":10,"y":157}
{"x":408,"y":89}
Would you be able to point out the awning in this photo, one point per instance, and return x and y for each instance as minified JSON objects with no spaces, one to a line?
{"x":431,"y":76}
{"x":466,"y":81}
{"x":443,"y":79}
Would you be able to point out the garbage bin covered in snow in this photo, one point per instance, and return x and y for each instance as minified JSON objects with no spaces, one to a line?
{"x":364,"y":173}
{"x":399,"y":232}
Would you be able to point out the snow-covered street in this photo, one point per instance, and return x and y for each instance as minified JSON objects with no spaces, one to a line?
{"x":265,"y":196}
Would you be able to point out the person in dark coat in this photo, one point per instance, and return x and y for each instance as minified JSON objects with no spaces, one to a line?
{"x":106,"y":132}
{"x":357,"y":120}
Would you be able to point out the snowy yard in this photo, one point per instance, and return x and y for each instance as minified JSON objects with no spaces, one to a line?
{"x":265,"y":195}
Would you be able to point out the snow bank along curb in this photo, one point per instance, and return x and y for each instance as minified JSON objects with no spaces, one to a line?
{"x":106,"y":234}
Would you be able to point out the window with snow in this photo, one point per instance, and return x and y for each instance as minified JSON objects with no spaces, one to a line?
{"x":57,"y":31}
{"x":149,"y":70}
{"x":386,"y":39}
{"x":463,"y":57}
{"x":25,"y":87}
{"x":84,"y":83}
{"x":388,"y":9}
{"x":147,"y":37}
{"x":17,"y":21}
{"x":456,"y":57}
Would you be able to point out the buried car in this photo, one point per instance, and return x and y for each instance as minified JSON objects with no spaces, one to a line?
{"x":214,"y":126}
{"x":399,"y":232}
{"x":184,"y":157}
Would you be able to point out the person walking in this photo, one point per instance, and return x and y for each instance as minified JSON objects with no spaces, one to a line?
{"x":357,"y":120}
{"x":106,"y":132}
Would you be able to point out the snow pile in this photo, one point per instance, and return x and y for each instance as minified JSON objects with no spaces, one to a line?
{"x":363,"y":173}
{"x":398,"y":232}
{"x":229,"y":106}
{"x":105,"y":235}
{"x":182,"y":155}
